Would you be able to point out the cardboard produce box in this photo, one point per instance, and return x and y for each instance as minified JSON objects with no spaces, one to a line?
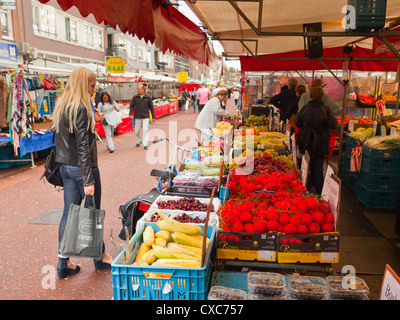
{"x":246,"y":246}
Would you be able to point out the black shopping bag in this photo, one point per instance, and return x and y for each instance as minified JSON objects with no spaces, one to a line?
{"x":83,"y":232}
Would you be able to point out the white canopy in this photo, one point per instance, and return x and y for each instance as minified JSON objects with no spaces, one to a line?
{"x":250,"y":27}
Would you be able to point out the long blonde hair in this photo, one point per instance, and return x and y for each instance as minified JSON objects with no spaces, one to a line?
{"x":75,"y":93}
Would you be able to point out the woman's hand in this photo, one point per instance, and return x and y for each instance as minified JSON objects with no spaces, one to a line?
{"x":89,"y":190}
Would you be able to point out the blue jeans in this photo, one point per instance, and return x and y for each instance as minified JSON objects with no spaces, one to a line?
{"x":316,"y":176}
{"x":74,"y":192}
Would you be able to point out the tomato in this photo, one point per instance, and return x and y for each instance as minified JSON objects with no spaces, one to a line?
{"x":328,"y":227}
{"x":272,"y":225}
{"x":259,"y":226}
{"x":237,"y":227}
{"x":324,"y":207}
{"x":284,"y":218}
{"x":302,"y":229}
{"x":329,"y":217}
{"x":284,"y":241}
{"x":295,"y":220}
{"x":248,"y":227}
{"x":314,"y":228}
{"x":318,"y":217}
{"x":312,"y":203}
{"x":306,"y":219}
{"x":302,"y":205}
{"x":245,"y":217}
{"x":229,"y":219}
{"x":289,"y":229}
{"x":235,"y":212}
{"x":272,"y":215}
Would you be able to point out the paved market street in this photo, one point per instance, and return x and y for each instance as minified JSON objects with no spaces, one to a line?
{"x":30,"y":212}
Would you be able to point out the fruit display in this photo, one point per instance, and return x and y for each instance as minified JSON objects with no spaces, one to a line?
{"x":346,"y":120}
{"x":308,"y":288}
{"x":362,"y":134}
{"x":259,"y":162}
{"x":256,"y":121}
{"x":186,"y":204}
{"x":184,"y":218}
{"x":223,"y":128}
{"x":366,"y":99}
{"x":389,"y":98}
{"x":259,"y":139}
{"x":176,"y":245}
{"x":290,"y":213}
{"x":355,"y":288}
{"x":225,"y":293}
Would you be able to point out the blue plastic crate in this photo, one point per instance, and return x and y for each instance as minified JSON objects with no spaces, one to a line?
{"x":133,"y":282}
{"x":380,"y":166}
{"x":349,"y":178}
{"x":380,"y":154}
{"x":379,"y":183}
{"x":370,"y":14}
{"x":377,"y":200}
{"x":222,"y":192}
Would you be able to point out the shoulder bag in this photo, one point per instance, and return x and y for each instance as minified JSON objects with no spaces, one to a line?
{"x":52,"y":168}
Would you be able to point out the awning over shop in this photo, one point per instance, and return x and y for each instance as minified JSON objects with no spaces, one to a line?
{"x":360,"y":59}
{"x":264,"y":27}
{"x":147,"y":19}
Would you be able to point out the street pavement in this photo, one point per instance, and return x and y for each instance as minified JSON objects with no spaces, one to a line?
{"x":30,"y":213}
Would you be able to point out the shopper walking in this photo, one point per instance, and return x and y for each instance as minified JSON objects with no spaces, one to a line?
{"x":186,"y":98}
{"x":212,"y":113}
{"x":142,"y":105}
{"x":284,"y":98}
{"x":193,"y":96}
{"x":105,"y":107}
{"x":315,"y":120}
{"x":203,"y":94}
{"x":76,"y":152}
{"x":236,"y":96}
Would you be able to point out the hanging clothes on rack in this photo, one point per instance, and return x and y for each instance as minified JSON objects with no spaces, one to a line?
{"x":21,"y":121}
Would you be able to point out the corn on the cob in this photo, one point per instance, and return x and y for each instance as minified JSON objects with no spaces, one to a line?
{"x":171,"y":225}
{"x":160,"y":242}
{"x":176,"y":263}
{"x":148,"y":235}
{"x":173,"y":246}
{"x":163,"y":253}
{"x":183,"y":256}
{"x":148,"y":257}
{"x":142,"y":251}
{"x":187,"y":239}
{"x":163,"y":234}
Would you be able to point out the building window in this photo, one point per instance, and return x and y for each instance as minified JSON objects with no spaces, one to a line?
{"x":133,"y":50}
{"x":141,"y":53}
{"x":88,"y":35}
{"x":122,"y":44}
{"x":6,"y":24}
{"x":101,"y":39}
{"x":44,"y":21}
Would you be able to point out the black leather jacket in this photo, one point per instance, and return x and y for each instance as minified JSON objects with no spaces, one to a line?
{"x":78,"y":148}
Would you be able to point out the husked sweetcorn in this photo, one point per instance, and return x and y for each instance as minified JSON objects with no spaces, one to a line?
{"x":187,"y":239}
{"x":143,"y":249}
{"x":173,"y":246}
{"x":148,"y":235}
{"x":171,"y":225}
{"x":163,"y":234}
{"x":160,"y":242}
{"x":176,"y":263}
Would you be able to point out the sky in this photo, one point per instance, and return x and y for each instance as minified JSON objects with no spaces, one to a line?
{"x":183,"y":7}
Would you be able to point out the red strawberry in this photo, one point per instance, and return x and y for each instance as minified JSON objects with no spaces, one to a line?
{"x":314,"y":228}
{"x":289,"y":229}
{"x":328,"y":227}
{"x":318,"y":217}
{"x":306,"y":219}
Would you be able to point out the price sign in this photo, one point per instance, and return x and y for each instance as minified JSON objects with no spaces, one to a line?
{"x":390,"y":289}
{"x":305,"y":163}
{"x":334,"y":196}
{"x":294,"y":151}
{"x":330,"y":170}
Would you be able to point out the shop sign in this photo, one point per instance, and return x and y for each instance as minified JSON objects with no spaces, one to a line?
{"x":8,"y":51}
{"x":390,"y":289}
{"x":7,"y":5}
{"x":183,"y":77}
{"x":115,"y":65}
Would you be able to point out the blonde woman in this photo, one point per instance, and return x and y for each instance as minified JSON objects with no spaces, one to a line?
{"x":76,"y":151}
